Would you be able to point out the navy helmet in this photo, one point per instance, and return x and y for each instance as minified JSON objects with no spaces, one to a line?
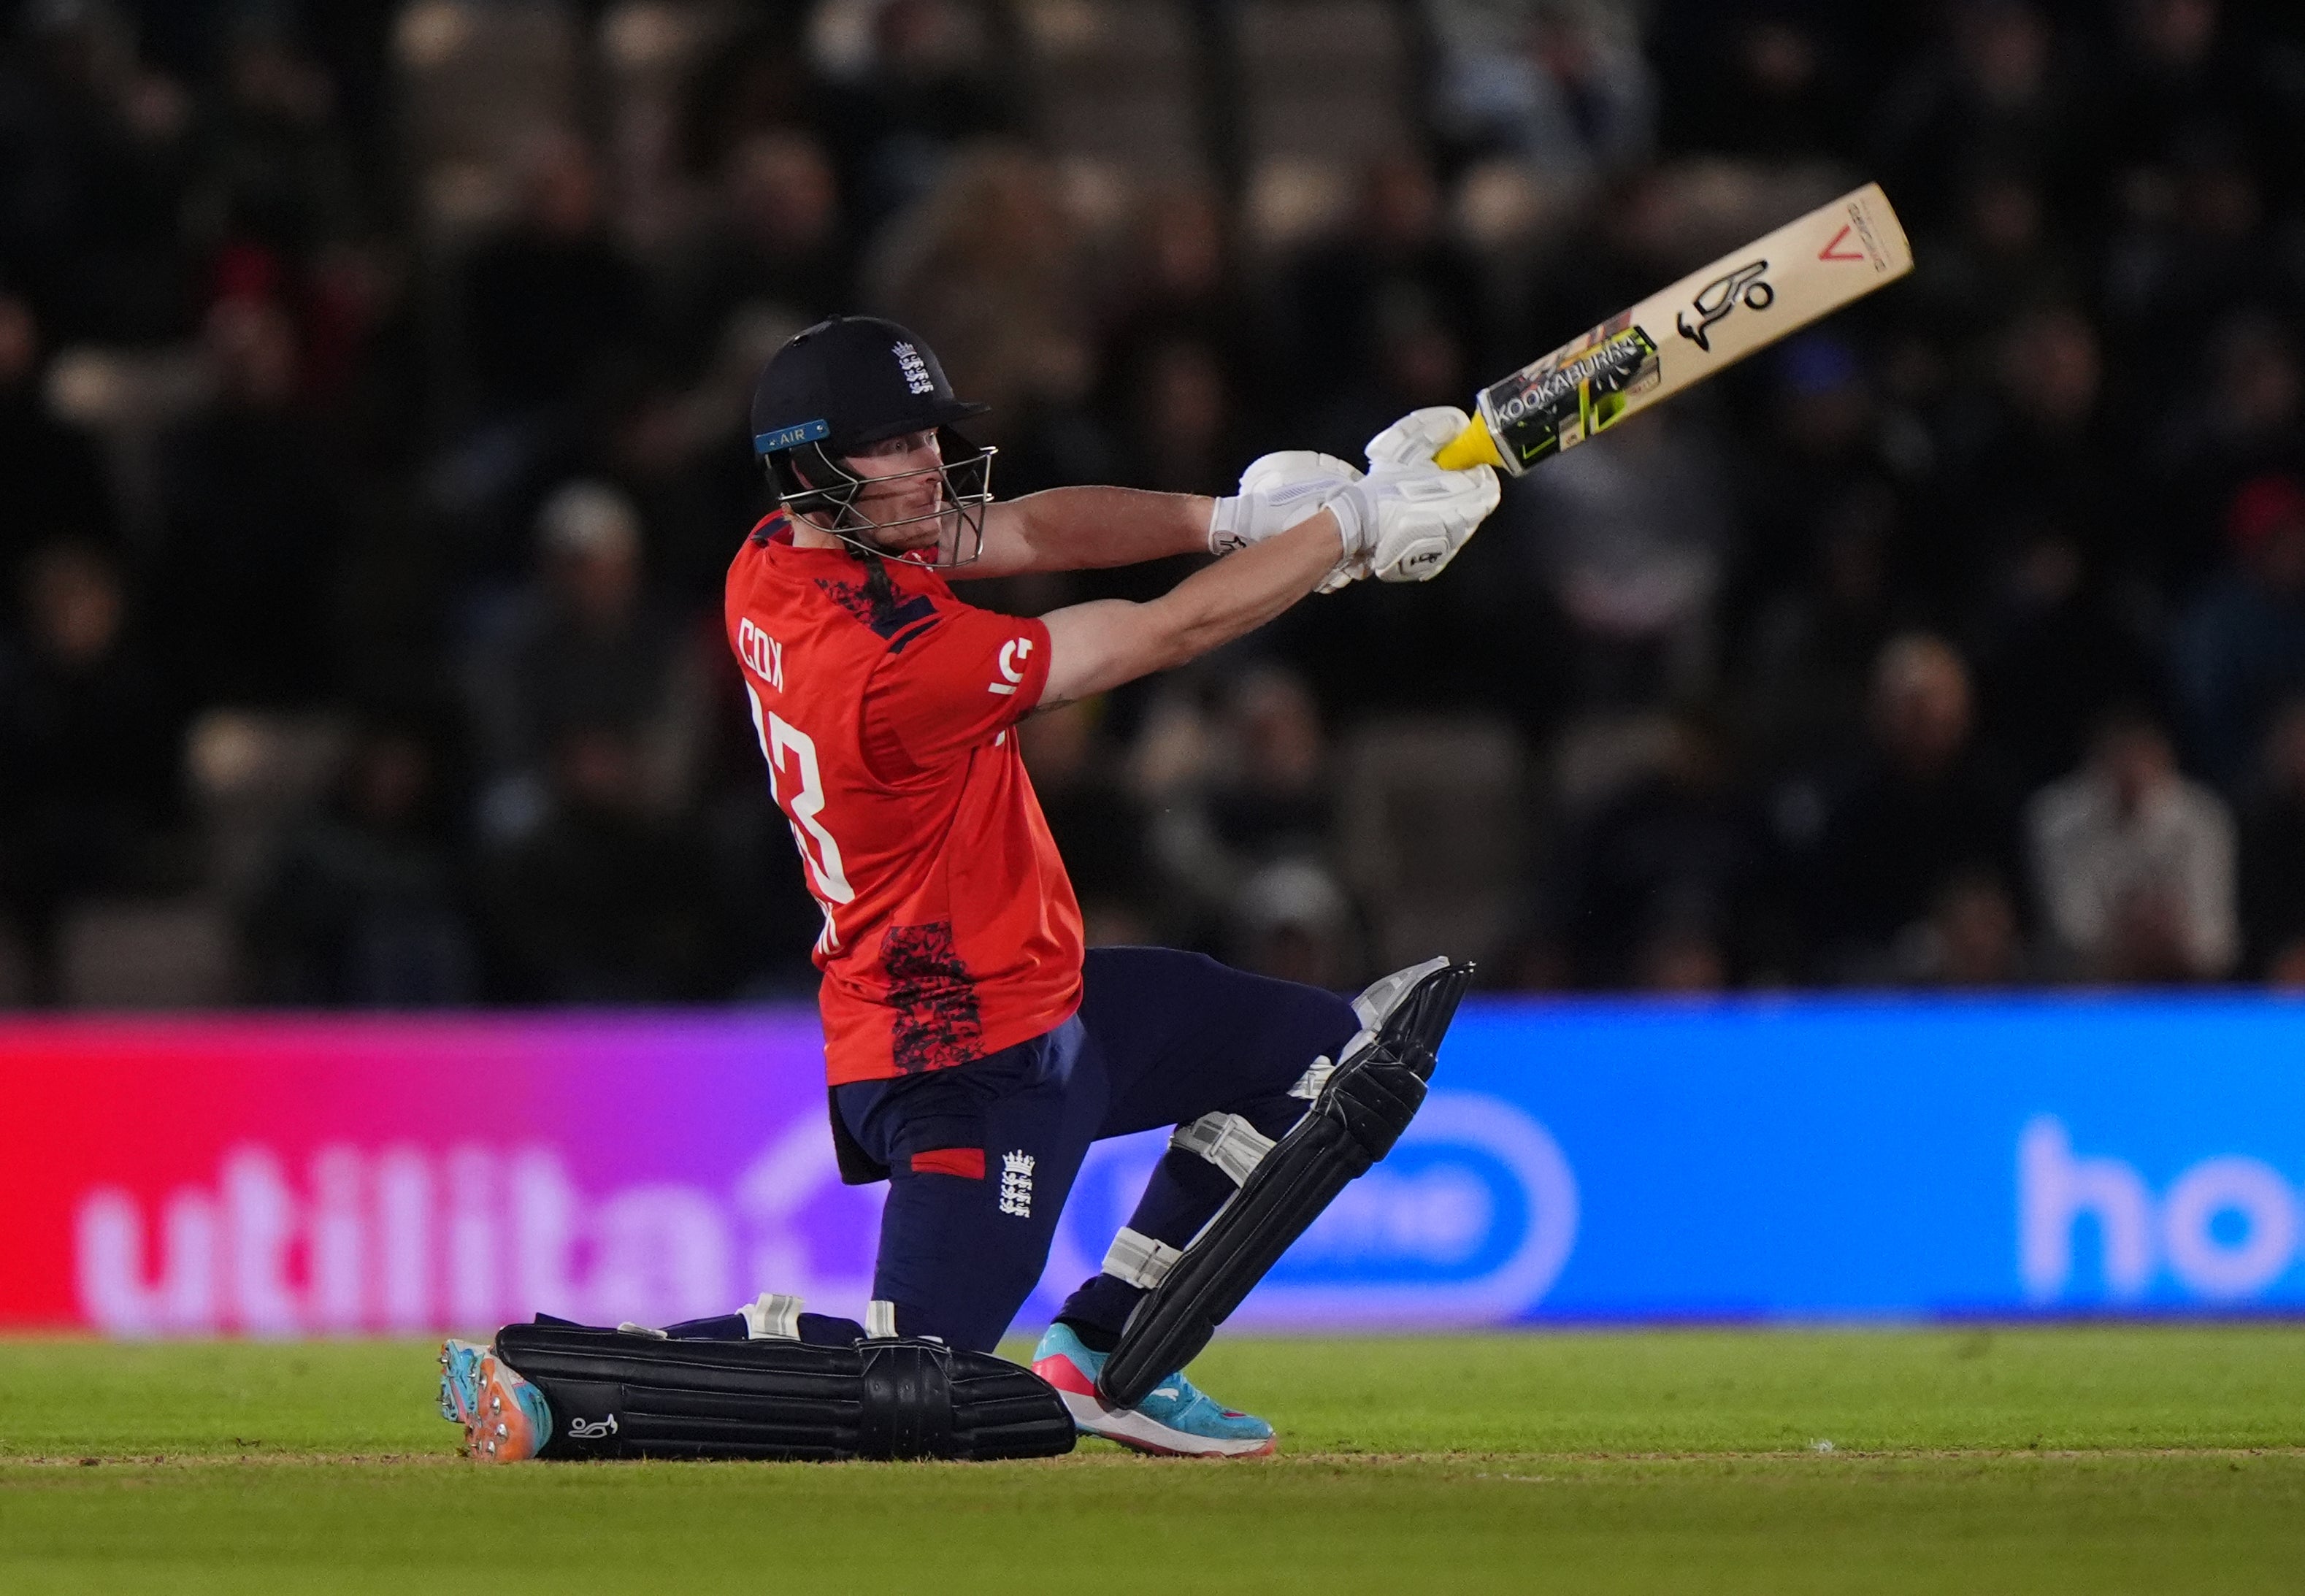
{"x":844,"y":384}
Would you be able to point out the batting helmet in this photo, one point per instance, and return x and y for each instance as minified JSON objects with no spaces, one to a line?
{"x":850,"y":382}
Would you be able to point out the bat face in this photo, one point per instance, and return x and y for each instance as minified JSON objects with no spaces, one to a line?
{"x":1804,"y":270}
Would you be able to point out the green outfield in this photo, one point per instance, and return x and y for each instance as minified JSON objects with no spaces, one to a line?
{"x":2128,"y":1459}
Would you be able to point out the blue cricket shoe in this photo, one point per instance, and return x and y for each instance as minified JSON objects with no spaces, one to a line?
{"x":1179,"y":1419}
{"x":505,"y":1418}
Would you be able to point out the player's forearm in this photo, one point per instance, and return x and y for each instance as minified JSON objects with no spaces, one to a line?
{"x":1094,"y":648}
{"x":1080,"y":528}
{"x":1236,"y":595}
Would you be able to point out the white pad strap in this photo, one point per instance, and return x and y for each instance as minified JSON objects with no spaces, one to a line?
{"x":1308,"y":1085}
{"x":1138,"y":1259}
{"x":880,"y":1320}
{"x":775,"y":1316}
{"x":1227,"y":1141}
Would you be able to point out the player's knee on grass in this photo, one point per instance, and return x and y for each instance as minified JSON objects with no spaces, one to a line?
{"x":971,"y":1326}
{"x":958,"y":1258}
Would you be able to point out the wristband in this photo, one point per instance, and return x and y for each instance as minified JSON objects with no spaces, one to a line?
{"x":1224,"y":518}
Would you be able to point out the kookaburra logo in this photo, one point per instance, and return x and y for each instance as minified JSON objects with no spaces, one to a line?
{"x":1716,"y":299}
{"x":591,"y":1429}
{"x":1016,"y":1184}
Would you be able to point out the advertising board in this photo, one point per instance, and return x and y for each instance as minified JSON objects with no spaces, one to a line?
{"x":1820,"y":1159}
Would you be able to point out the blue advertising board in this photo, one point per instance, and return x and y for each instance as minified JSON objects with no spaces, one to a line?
{"x":1814,"y":1159}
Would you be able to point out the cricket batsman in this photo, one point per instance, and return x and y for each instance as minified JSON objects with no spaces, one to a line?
{"x":974,"y":1050}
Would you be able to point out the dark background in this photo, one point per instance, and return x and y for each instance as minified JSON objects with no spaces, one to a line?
{"x":371,"y":443}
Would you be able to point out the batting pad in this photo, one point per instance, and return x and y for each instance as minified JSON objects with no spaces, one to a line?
{"x":614,"y":1395}
{"x":1362,"y":1108}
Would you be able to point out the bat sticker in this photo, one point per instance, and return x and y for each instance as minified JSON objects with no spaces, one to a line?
{"x":1560,"y":402}
{"x":1833,"y":249}
{"x":1746,"y":285}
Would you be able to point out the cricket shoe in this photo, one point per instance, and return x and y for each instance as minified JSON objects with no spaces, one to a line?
{"x":505,"y":1418}
{"x":1177,"y":1420}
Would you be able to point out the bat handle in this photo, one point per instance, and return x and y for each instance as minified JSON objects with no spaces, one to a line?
{"x":1472,"y":446}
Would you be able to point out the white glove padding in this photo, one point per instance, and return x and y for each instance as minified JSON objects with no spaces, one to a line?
{"x":1291,"y":466}
{"x":1417,"y":437}
{"x":1284,"y":466}
{"x":1276,"y":491}
{"x":1407,"y":521}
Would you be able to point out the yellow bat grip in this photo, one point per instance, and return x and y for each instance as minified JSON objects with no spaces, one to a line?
{"x":1472,"y":446}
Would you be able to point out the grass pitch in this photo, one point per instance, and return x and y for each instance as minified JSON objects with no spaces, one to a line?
{"x":2100,"y":1460}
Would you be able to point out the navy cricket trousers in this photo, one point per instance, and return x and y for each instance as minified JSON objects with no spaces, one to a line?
{"x":981,"y":1156}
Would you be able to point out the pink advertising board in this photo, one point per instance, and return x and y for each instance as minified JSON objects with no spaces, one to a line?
{"x":289,"y":1176}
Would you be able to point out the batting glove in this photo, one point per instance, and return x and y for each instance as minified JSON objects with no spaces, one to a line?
{"x":1407,"y":521}
{"x":1276,"y":491}
{"x":1417,"y":437}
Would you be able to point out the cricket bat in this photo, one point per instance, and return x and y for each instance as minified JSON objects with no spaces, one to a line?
{"x":1675,"y":339}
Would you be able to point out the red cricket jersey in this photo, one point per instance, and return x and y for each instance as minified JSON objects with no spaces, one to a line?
{"x":950,"y":929}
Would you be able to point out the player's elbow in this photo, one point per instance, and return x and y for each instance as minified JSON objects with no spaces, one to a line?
{"x":1159,"y":635}
{"x":1096,"y":647}
{"x":1154,"y":649}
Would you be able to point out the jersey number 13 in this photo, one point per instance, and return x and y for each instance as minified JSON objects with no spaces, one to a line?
{"x":799,"y":790}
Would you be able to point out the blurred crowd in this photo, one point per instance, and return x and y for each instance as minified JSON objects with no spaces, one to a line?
{"x":372,"y":385}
